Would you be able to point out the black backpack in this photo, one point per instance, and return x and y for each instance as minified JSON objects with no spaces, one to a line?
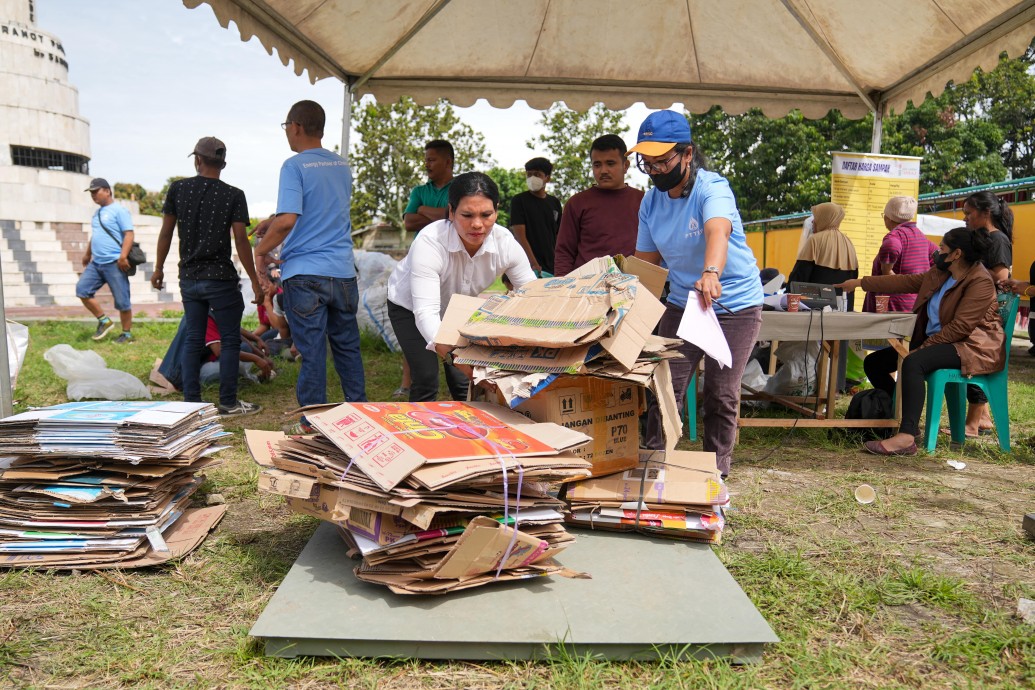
{"x":868,"y":404}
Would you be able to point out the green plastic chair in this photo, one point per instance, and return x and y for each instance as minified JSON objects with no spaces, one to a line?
{"x":691,"y":407}
{"x":952,"y":385}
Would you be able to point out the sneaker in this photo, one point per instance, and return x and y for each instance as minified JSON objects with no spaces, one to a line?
{"x":401,"y":392}
{"x":241,"y":409}
{"x":103,"y":329}
{"x":124,"y":339}
{"x":300,"y":428}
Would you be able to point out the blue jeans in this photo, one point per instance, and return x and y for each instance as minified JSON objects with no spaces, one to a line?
{"x":223,"y":299}
{"x":321,"y":309}
{"x":95,"y":275}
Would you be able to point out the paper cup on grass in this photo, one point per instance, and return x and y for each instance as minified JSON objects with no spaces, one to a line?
{"x":865,"y":494}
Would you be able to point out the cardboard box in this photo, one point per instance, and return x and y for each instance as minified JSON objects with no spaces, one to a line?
{"x":679,"y":477}
{"x":605,"y":409}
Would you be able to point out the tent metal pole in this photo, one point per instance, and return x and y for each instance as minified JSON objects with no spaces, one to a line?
{"x":878,"y":126}
{"x":6,"y":396}
{"x":346,"y":122}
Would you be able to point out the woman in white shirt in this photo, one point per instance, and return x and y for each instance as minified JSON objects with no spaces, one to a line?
{"x":463,"y":254}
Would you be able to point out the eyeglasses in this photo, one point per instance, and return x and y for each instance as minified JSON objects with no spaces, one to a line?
{"x":654,"y":168}
{"x":283,"y":125}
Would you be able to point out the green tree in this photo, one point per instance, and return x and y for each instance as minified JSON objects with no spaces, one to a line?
{"x":1006,"y":95}
{"x":150,"y":202}
{"x":774,"y":166}
{"x":569,"y":134}
{"x":388,"y":159}
{"x":511,"y":183}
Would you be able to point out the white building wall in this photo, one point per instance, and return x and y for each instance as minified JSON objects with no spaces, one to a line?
{"x":45,"y":214}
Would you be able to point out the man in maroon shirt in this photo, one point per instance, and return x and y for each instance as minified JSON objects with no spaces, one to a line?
{"x":602,"y":220}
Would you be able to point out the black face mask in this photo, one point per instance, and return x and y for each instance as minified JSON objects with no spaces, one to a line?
{"x":667,"y":181}
{"x":940,"y":263}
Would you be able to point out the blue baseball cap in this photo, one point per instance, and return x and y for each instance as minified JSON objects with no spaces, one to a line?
{"x":660,"y":132}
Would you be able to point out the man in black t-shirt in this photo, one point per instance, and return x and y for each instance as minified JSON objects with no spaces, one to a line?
{"x":206,"y":211}
{"x":535,"y":217}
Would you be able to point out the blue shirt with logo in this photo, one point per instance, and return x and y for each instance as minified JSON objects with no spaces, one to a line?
{"x":675,"y":228}
{"x":104,"y":248}
{"x":317,"y":186}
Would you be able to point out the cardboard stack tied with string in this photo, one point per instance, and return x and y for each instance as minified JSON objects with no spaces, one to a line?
{"x":105,"y":484}
{"x":674,"y":494}
{"x":435,"y":497}
{"x":576,"y":350}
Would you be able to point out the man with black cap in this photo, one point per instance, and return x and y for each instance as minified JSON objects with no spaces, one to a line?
{"x":206,"y":212}
{"x":106,"y":261}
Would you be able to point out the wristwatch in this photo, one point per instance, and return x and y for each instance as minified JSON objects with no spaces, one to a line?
{"x":711,"y":269}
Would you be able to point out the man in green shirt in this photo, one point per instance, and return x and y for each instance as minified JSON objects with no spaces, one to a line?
{"x":428,"y":202}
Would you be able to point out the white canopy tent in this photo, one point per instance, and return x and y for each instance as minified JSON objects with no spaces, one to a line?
{"x":776,"y":55}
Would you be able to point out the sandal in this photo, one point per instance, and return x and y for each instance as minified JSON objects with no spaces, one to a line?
{"x":877,"y":448}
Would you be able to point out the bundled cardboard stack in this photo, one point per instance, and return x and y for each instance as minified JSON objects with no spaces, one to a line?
{"x":105,"y":484}
{"x":674,"y":494}
{"x":435,"y":497}
{"x":576,"y":350}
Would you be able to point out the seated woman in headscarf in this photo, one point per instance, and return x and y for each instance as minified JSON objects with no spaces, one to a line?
{"x":828,"y":256}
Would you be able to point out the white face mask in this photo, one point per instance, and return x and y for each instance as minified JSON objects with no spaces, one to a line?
{"x":534,"y":183}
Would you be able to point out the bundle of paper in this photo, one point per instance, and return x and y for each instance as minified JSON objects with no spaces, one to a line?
{"x":124,"y":430}
{"x":119,"y":500}
{"x":674,"y":494}
{"x":426,"y":492}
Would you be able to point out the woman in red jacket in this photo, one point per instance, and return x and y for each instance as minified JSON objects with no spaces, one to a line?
{"x":957,"y":327}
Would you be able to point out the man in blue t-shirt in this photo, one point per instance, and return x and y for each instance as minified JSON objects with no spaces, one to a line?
{"x":318,"y":273}
{"x":106,"y":261}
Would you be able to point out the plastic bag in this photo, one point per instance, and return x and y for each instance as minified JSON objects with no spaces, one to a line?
{"x":17,"y":346}
{"x":797,"y":376}
{"x":372,"y":268}
{"x":89,"y":377}
{"x":373,"y":314}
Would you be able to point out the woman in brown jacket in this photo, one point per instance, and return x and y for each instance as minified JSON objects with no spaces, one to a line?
{"x":957,"y":327}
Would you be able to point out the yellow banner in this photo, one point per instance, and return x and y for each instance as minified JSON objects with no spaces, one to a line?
{"x":862,"y":183}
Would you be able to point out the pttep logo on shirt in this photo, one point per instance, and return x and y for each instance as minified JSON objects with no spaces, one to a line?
{"x":694,"y":230}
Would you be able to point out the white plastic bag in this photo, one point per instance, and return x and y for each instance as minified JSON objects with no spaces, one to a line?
{"x":797,"y":376}
{"x":373,"y":314}
{"x":89,"y":377}
{"x":17,"y":346}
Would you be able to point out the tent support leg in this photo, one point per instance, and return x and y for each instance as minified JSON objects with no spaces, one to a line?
{"x":346,"y":123}
{"x":6,"y":395}
{"x":878,"y":127}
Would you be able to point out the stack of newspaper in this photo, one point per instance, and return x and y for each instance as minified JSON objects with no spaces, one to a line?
{"x":435,"y":497}
{"x":674,"y":494}
{"x":105,"y":484}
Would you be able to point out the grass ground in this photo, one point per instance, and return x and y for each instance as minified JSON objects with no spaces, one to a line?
{"x":915,"y":590}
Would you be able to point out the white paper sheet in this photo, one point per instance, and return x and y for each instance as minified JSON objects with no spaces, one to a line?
{"x":701,"y":327}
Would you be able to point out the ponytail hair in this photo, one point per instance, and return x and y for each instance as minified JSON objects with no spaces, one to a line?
{"x":997,"y":208}
{"x":973,"y":243}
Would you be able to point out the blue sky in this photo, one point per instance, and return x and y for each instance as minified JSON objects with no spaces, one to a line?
{"x":154,"y":77}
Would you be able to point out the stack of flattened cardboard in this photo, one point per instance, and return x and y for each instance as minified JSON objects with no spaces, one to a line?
{"x":105,"y":484}
{"x":435,"y":497}
{"x":675,"y":494}
{"x":576,"y":350}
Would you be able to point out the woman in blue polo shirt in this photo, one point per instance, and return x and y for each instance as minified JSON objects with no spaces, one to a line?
{"x":690,"y":221}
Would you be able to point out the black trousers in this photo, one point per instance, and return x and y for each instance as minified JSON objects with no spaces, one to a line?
{"x":423,"y":362}
{"x":916,"y":366}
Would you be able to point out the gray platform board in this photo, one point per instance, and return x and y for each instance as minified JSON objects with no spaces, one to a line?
{"x":648,"y":597}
